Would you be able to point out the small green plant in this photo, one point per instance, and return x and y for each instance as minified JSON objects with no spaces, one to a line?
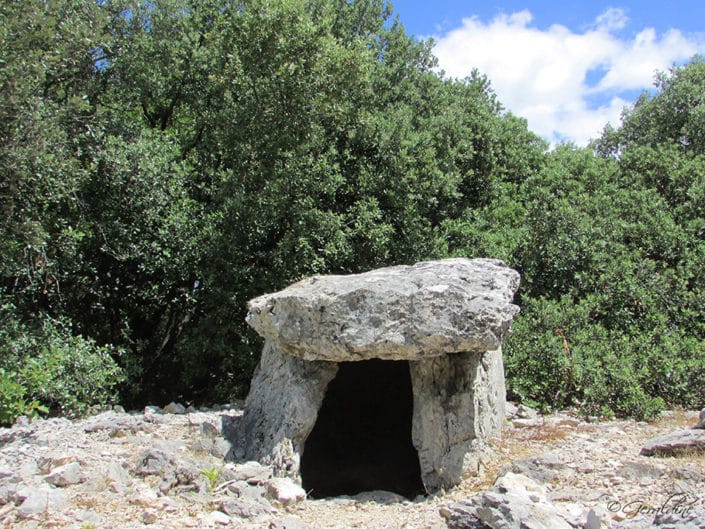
{"x":213,"y":475}
{"x":12,"y":401}
{"x":45,"y":367}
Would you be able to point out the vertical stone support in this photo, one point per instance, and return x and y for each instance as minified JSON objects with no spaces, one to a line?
{"x":458,"y":402}
{"x":281,"y":409}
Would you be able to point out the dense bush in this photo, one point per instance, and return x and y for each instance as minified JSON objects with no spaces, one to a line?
{"x":51,"y":369}
{"x":163,"y":162}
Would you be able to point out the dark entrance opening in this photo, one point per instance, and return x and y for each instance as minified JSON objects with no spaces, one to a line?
{"x":362,"y":437}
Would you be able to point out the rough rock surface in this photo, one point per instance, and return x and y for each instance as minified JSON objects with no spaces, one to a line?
{"x":395,"y":313}
{"x":458,"y":405}
{"x":282,"y":407}
{"x":675,"y":443}
{"x":447,"y":318}
{"x":593,"y":466}
{"x":515,"y":502}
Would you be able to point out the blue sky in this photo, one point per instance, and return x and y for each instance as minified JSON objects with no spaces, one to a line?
{"x":568,"y":67}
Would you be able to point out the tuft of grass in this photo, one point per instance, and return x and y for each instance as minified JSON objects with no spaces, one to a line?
{"x":213,"y":475}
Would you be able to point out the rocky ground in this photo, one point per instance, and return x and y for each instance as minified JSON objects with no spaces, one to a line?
{"x":166,"y":470}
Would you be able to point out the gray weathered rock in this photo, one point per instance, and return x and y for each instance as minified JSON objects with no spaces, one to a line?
{"x":396,"y":313}
{"x":175,"y":408}
{"x":245,"y":507}
{"x":524,"y":412}
{"x":41,"y":500}
{"x":515,"y":502}
{"x":65,"y":475}
{"x":510,"y":410}
{"x":447,"y":318}
{"x":543,"y":468}
{"x":458,"y":403}
{"x":675,"y":443}
{"x":690,"y":516}
{"x":636,"y":471}
{"x":281,"y":409}
{"x":288,"y":522}
{"x":285,"y":491}
{"x":688,"y":473}
{"x":155,"y":462}
{"x":596,"y":518}
{"x":217,"y":518}
{"x":701,"y":420}
{"x":250,"y":472}
{"x":681,"y":513}
{"x":208,"y":429}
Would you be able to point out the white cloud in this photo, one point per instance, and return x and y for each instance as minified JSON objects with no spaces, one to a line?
{"x":612,"y":19}
{"x":567,"y":84}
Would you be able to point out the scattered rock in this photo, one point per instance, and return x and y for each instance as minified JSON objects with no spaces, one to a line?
{"x":690,"y":517}
{"x":288,"y":522}
{"x":526,"y":423}
{"x":149,"y":516}
{"x":510,"y":410}
{"x":47,"y":462}
{"x":245,"y":507}
{"x":143,"y":495}
{"x":596,"y":518}
{"x":208,"y":429}
{"x":515,"y":502}
{"x":285,"y":491}
{"x":688,"y":473}
{"x":251,"y":472}
{"x":379,"y":496}
{"x":5,"y":472}
{"x":637,"y":471}
{"x":155,"y":462}
{"x":589,"y":468}
{"x":220,"y":448}
{"x":65,"y":475}
{"x":175,"y":408}
{"x":218,"y":518}
{"x":676,"y":443}
{"x":44,"y":500}
{"x":525,"y":412}
{"x":701,"y":420}
{"x":88,"y":517}
{"x":543,"y":468}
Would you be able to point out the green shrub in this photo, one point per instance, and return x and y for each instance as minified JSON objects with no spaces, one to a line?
{"x":46,"y":368}
{"x":559,"y":356}
{"x":12,"y":400}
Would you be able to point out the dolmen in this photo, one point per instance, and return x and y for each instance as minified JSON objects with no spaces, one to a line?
{"x":387,"y":380}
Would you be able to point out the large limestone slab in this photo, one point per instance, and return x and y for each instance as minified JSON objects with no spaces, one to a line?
{"x":395,"y":313}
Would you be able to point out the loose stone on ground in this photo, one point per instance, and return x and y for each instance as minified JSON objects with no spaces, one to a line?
{"x":136,"y":473}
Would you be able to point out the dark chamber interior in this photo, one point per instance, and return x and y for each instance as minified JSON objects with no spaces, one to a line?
{"x":362,"y":437}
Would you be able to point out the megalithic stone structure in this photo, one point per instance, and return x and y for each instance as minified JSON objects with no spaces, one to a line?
{"x":447,"y":319}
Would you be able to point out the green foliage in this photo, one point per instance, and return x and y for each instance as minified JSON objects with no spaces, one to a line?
{"x":212,"y":474}
{"x":12,"y":400}
{"x":559,"y":356}
{"x":165,"y":161}
{"x":48,"y":369}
